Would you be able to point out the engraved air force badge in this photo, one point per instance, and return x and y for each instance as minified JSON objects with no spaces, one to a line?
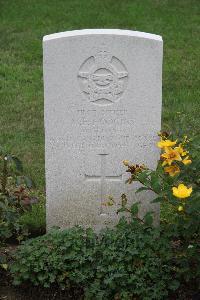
{"x":103,"y":78}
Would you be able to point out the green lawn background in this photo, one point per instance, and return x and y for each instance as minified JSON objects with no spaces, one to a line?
{"x":23,"y":23}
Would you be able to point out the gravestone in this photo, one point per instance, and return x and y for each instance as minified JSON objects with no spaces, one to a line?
{"x":103,"y":98}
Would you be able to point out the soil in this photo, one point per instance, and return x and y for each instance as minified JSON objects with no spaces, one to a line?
{"x":9,"y":292}
{"x":26,"y":292}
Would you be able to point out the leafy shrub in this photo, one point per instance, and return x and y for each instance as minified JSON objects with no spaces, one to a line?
{"x":61,"y":257}
{"x":15,"y":197}
{"x":9,"y":221}
{"x":176,"y":184}
{"x":133,"y":263}
{"x":134,"y":260}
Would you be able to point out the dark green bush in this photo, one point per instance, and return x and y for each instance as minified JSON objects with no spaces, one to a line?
{"x":15,"y":197}
{"x":131,"y":261}
{"x":60,"y":257}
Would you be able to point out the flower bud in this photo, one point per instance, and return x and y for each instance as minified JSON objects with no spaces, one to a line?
{"x":180,"y":208}
{"x":126,"y":163}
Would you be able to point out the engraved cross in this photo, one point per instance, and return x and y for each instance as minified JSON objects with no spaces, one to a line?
{"x":103,"y":178}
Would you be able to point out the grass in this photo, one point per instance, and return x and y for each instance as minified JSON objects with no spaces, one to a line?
{"x":25,"y":22}
{"x":35,"y":219}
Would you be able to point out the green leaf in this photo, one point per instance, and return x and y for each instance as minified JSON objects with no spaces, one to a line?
{"x":134,"y":209}
{"x":148,"y":219}
{"x":18,"y":163}
{"x":157,"y":199}
{"x":28,"y":182}
{"x":143,"y":188}
{"x":155,"y":182}
{"x":143,"y":177}
{"x":173,"y":285}
{"x":19,"y":180}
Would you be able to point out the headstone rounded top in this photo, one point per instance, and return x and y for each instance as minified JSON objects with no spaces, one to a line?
{"x":122,"y":32}
{"x":103,"y":97}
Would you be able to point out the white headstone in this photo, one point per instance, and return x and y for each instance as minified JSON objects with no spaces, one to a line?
{"x":103,"y":98}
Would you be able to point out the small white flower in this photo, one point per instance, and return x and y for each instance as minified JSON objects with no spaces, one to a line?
{"x":5,"y":158}
{"x":190,"y":246}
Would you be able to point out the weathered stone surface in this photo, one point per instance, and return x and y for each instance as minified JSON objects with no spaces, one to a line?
{"x":103,"y":91}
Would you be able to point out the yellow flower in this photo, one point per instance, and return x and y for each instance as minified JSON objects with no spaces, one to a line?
{"x":126,"y":163}
{"x":180,"y":150}
{"x":187,"y":161}
{"x":172,"y":170}
{"x":180,"y":208}
{"x":165,"y":143}
{"x":170,"y":155}
{"x":182,"y":191}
